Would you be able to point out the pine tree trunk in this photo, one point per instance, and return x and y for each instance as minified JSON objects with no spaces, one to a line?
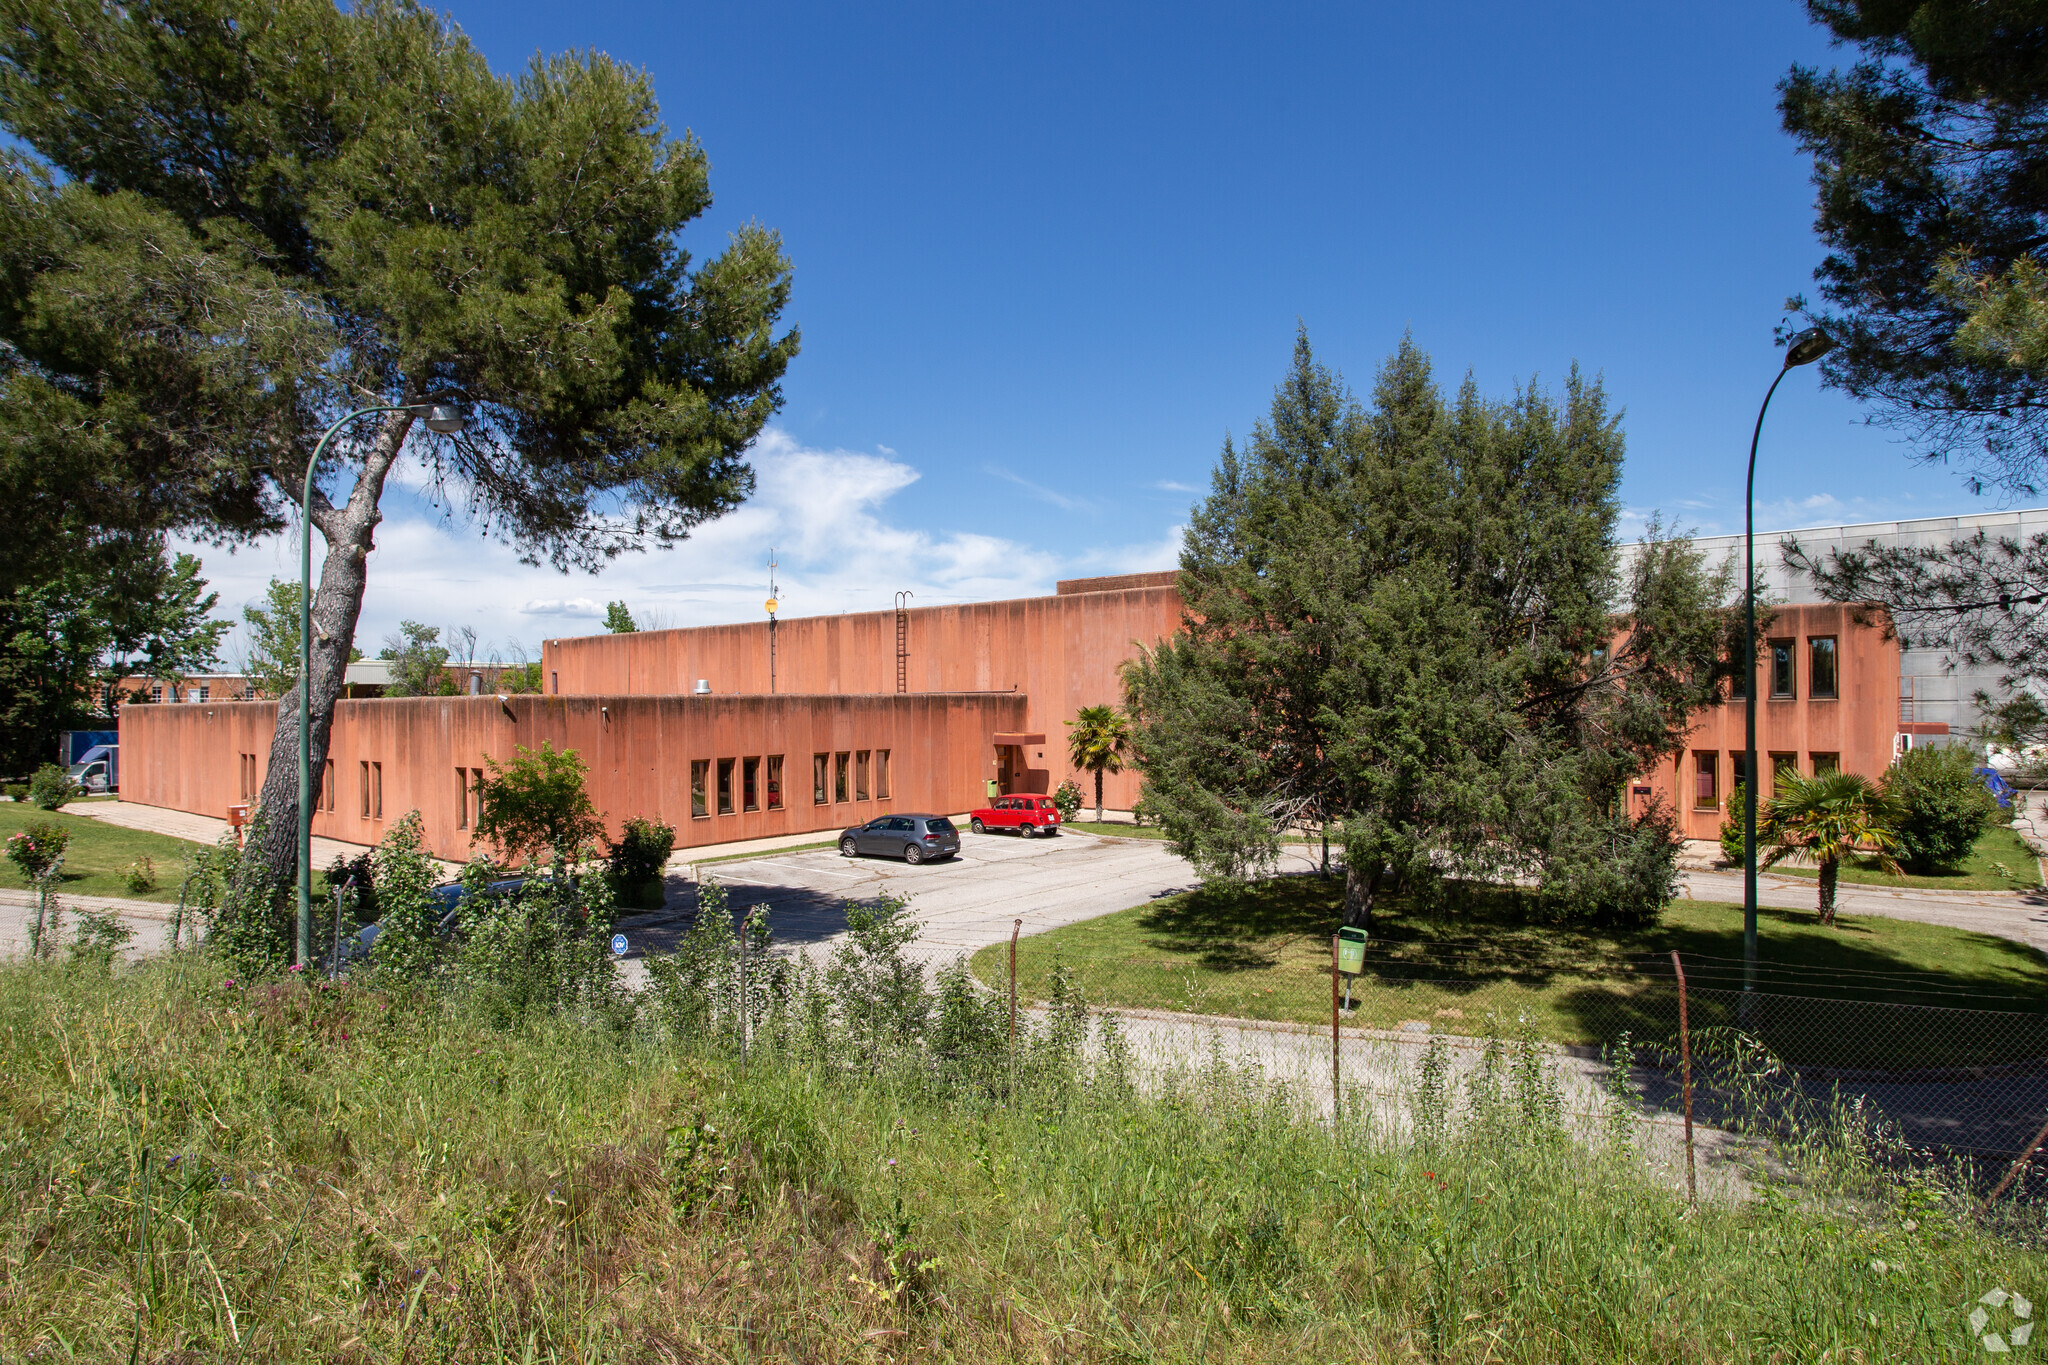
{"x":348,"y":531}
{"x":1359,"y":891}
{"x":1830,"y":868}
{"x":1098,"y":796}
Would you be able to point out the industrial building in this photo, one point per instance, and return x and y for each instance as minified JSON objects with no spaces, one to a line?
{"x":809,"y":725}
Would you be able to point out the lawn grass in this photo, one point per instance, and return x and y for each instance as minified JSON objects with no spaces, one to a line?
{"x":197,"y":1173}
{"x":97,"y":859}
{"x":1979,"y":872}
{"x":1263,"y":952}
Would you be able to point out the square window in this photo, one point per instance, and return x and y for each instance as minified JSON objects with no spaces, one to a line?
{"x":725,"y":786}
{"x":820,"y":777}
{"x":881,"y":774}
{"x":1782,"y":764}
{"x":750,"y":784}
{"x":1821,"y":675}
{"x":860,"y":775}
{"x":700,"y":773}
{"x":775,"y":782}
{"x":1706,"y":779}
{"x":1781,"y":670}
{"x":1826,"y":763}
{"x":840,"y":763}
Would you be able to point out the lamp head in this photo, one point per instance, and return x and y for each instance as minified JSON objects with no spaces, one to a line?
{"x":445,"y":418}
{"x":1807,"y":347}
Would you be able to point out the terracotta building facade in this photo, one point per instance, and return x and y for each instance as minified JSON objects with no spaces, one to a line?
{"x":746,"y":731}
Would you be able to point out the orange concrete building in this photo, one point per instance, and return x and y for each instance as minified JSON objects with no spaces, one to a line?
{"x":734,"y":732}
{"x":1058,"y":654}
{"x":1829,"y":690}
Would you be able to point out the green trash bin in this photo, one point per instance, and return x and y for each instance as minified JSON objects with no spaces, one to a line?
{"x":1351,"y":951}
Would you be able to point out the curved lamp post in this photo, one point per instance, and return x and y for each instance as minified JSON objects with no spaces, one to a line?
{"x":444,"y":418}
{"x":1805,"y":348}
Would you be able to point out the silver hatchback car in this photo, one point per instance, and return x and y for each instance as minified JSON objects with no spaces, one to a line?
{"x":913,"y":838}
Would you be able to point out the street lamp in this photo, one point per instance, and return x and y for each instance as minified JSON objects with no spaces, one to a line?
{"x":444,"y":418}
{"x":1805,"y":348}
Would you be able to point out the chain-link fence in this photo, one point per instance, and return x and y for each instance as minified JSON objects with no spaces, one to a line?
{"x":1907,"y":1054}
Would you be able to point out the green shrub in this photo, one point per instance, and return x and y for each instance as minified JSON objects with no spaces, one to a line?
{"x":637,"y":859}
{"x":408,"y":943}
{"x":35,"y":849}
{"x":1943,"y":806}
{"x":250,"y":921}
{"x":16,"y":791}
{"x":1731,"y":827}
{"x":52,"y":787}
{"x":536,"y":805}
{"x":140,"y":878}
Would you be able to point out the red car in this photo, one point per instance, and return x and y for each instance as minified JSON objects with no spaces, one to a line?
{"x":1028,"y":815}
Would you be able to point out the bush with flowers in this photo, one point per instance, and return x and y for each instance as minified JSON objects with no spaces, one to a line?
{"x":37,"y":848}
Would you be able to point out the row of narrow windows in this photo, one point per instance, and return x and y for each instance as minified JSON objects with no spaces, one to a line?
{"x":1706,"y":771}
{"x":1823,"y":673}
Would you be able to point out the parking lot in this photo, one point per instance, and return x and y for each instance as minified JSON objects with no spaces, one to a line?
{"x":963,"y":904}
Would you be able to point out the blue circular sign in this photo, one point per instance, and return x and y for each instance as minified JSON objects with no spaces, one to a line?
{"x":619,"y":944}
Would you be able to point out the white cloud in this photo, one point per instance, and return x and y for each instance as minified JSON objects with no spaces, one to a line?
{"x":1064,"y":501}
{"x":823,"y":511}
{"x":1174,"y":486}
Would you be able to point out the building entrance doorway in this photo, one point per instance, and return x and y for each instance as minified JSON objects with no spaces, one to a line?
{"x":1008,"y":764}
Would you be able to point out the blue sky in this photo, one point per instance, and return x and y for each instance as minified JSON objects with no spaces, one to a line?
{"x":1047,"y":256}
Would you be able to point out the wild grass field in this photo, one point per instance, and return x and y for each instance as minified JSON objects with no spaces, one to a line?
{"x":192,"y":1170}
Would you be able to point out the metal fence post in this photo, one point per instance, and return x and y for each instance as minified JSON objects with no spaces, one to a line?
{"x":2013,"y":1173}
{"x":1692,"y":1192}
{"x":1016,"y":927}
{"x":1336,"y":1080}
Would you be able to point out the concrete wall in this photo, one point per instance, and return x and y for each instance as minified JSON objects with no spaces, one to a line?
{"x":1859,"y":726}
{"x":1060,"y":653}
{"x":204,"y":758}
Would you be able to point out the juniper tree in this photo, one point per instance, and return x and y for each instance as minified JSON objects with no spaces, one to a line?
{"x":1411,"y":620}
{"x":238,"y":219}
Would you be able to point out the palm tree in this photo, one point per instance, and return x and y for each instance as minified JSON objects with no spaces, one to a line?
{"x":1101,"y":736}
{"x":1824,"y":819}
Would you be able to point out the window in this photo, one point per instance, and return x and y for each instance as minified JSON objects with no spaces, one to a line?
{"x":1820,"y":666}
{"x":462,"y":798}
{"x":700,"y":773}
{"x":775,"y":782}
{"x":1826,"y":763}
{"x":881,"y":774}
{"x":205,"y":691}
{"x":839,"y":765}
{"x":1782,"y":764}
{"x":555,"y":683}
{"x":860,"y":775}
{"x":326,"y":784}
{"x":1706,"y":783}
{"x":725,"y":786}
{"x":1781,"y":669}
{"x":376,"y":791}
{"x":820,"y":764}
{"x":365,"y":787}
{"x":156,"y":692}
{"x":750,"y":784}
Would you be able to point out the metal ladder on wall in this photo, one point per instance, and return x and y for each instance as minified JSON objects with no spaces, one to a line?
{"x":903,"y":640}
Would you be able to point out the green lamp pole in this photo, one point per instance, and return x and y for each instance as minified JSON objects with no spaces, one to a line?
{"x":441,"y":417}
{"x":1809,"y":346}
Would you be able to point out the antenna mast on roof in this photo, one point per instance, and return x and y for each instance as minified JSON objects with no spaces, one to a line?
{"x":772,"y":604}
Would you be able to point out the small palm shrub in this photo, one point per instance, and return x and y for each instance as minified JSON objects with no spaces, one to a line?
{"x":1823,"y":819}
{"x":1941,"y":806}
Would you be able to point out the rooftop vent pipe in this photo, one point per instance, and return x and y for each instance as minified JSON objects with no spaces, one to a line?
{"x":703,"y":688}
